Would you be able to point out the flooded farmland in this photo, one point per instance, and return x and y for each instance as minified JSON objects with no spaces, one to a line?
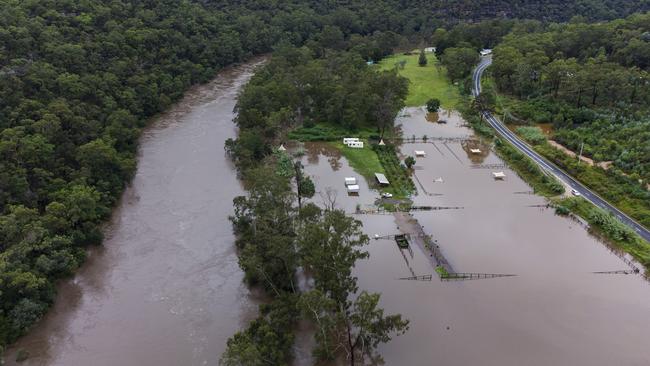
{"x":555,"y":311}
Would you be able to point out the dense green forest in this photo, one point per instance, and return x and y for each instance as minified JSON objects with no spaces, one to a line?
{"x":298,"y":89}
{"x":80,"y":79}
{"x":592,"y":82}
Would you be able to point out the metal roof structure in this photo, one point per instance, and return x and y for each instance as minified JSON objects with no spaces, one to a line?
{"x":382,"y":179}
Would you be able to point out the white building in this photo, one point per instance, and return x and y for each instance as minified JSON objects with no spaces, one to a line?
{"x":355,"y":144}
{"x":381,"y":179}
{"x":485,"y":52}
{"x":353,"y":188}
{"x":347,"y":140}
{"x":350,"y":181}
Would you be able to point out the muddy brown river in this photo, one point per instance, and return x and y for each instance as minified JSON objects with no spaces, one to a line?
{"x":165,"y":288}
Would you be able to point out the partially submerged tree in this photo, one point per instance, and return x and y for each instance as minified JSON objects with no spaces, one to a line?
{"x":355,"y":328}
{"x":329,"y":249}
{"x":409,"y":162}
{"x":433,"y":105}
{"x":304,"y":185}
{"x":263,"y":222}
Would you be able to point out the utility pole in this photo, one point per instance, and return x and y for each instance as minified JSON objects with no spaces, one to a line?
{"x":582,"y":145}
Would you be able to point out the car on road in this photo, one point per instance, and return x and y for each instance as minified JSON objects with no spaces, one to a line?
{"x":575,"y":193}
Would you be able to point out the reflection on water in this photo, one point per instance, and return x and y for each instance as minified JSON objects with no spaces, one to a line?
{"x":165,"y":288}
{"x":554,"y":312}
{"x":315,"y":150}
{"x":477,"y":150}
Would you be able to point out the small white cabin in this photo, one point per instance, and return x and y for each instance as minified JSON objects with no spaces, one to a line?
{"x":485,"y":52}
{"x":350,"y":181}
{"x":356,"y":144}
{"x":499,"y":175}
{"x":420,"y":153}
{"x":353,"y":188}
{"x":430,"y":49}
{"x":475,"y":151}
{"x":348,"y":140}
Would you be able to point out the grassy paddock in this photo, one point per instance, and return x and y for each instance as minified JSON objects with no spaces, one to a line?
{"x":363,"y":161}
{"x":427,"y":82}
{"x":368,"y":161}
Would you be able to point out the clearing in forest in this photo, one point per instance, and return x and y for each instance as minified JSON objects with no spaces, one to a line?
{"x":427,"y":82}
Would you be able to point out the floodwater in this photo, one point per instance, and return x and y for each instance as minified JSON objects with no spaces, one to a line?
{"x":555,"y":311}
{"x":165,"y":288}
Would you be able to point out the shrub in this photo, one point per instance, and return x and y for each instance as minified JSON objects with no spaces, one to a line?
{"x":561,"y":210}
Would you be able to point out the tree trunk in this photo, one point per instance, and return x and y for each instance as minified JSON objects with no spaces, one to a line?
{"x":350,"y":345}
{"x":594,"y":95}
{"x":296,"y":166}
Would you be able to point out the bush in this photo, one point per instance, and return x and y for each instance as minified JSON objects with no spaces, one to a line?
{"x":422,"y":60}
{"x":409,"y":162}
{"x":561,"y":210}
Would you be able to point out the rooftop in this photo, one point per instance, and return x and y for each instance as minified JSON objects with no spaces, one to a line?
{"x":381,"y":179}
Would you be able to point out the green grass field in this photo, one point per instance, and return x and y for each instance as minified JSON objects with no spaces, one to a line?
{"x":364,"y":161}
{"x":427,"y":82}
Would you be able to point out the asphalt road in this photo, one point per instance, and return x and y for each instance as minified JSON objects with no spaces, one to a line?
{"x":547,"y":165}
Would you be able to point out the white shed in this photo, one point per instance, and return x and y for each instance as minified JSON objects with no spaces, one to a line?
{"x":349,"y":181}
{"x":356,"y":144}
{"x":353,"y":188}
{"x":381,"y":179}
{"x":348,"y":140}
